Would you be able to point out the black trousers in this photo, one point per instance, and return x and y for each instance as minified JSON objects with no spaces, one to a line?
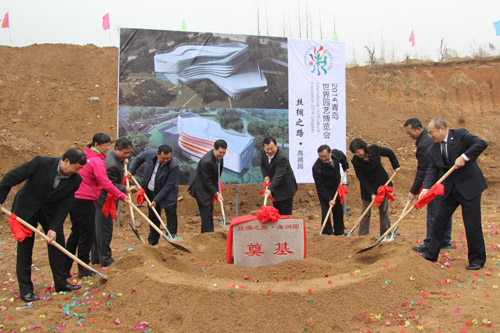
{"x":338,"y":218}
{"x":207,"y":217}
{"x":471,"y":214}
{"x":82,"y":235}
{"x":170,"y":212}
{"x":284,"y":207}
{"x":57,"y":259}
{"x":101,"y":248}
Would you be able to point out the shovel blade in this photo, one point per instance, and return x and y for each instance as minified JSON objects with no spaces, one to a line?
{"x":223,"y":224}
{"x":368,"y":248}
{"x":137,"y":233}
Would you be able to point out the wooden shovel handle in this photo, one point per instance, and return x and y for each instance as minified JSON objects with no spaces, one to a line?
{"x":330,"y":209}
{"x":154,"y":209}
{"x":59,"y":246}
{"x":369,"y":207}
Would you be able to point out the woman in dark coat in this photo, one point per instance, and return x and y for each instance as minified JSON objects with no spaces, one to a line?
{"x":371,"y":174}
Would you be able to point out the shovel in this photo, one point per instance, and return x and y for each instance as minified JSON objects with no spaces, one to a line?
{"x":155,"y":211}
{"x":330,"y":209}
{"x":158,"y":230}
{"x":265,"y":197}
{"x":223,"y":221}
{"x":393,"y":235}
{"x":132,"y":224}
{"x":368,"y":208}
{"x":59,"y":246}
{"x":403,"y":216}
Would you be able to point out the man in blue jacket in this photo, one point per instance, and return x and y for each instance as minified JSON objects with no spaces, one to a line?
{"x":161,"y":182}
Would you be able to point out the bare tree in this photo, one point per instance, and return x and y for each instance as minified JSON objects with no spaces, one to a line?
{"x":443,"y":51}
{"x":372,"y":59}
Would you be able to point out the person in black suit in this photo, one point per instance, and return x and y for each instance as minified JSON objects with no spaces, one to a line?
{"x":326,"y":174}
{"x":45,"y":198}
{"x":276,"y":169}
{"x":161,"y":182}
{"x":414,"y":129}
{"x":115,"y":160}
{"x":459,"y":149}
{"x":206,"y":183}
{"x":371,"y":174}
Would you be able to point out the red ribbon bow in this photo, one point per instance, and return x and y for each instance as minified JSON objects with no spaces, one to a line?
{"x":382,"y":191}
{"x":109,"y":206}
{"x":266,"y":185}
{"x":19,"y":231}
{"x":221,"y":191}
{"x":125,"y":180}
{"x":139,"y":198}
{"x":342,"y":191}
{"x":434,"y":191}
{"x":269,"y":213}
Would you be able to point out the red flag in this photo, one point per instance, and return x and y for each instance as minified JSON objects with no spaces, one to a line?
{"x":382,"y":191}
{"x":5,"y":21}
{"x":19,"y":231}
{"x":139,"y":198}
{"x":105,"y":22}
{"x":434,"y":191}
{"x":109,"y":206}
{"x":342,"y":191}
{"x":412,"y":38}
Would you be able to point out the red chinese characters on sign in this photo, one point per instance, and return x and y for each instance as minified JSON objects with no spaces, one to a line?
{"x":282,"y":249}
{"x":254,"y":250}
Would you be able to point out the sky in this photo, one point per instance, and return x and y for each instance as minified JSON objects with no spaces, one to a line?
{"x":384,"y":26}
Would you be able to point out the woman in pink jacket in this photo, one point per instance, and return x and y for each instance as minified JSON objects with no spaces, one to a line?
{"x":82,"y":212}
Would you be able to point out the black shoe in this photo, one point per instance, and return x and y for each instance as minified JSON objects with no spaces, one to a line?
{"x":427,"y":256}
{"x":473,"y":267}
{"x":68,"y":287}
{"x":29,"y":297}
{"x":420,"y":248}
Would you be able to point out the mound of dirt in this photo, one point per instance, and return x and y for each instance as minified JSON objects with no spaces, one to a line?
{"x":47,"y":105}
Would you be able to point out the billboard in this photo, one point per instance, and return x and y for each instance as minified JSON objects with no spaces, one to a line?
{"x":188,"y":89}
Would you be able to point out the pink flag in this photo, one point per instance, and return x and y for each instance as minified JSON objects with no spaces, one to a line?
{"x":412,"y":39}
{"x":5,"y":21}
{"x":105,"y":22}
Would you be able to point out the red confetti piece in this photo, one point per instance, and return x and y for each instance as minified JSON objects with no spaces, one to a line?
{"x":310,"y":291}
{"x":468,"y":323}
{"x":330,"y":282}
{"x":117,"y":321}
{"x":269,"y":292}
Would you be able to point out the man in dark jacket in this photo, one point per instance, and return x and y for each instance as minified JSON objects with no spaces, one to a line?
{"x":45,"y":198}
{"x":459,"y":149}
{"x":115,"y":159}
{"x":371,"y":174}
{"x":423,"y":141}
{"x":205,"y":187}
{"x":326,"y":174}
{"x":276,"y":169}
{"x":161,"y":183}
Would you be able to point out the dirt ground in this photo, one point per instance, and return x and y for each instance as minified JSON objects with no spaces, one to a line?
{"x":46,"y":107}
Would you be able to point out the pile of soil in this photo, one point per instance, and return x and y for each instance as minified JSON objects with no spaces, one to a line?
{"x":47,"y":104}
